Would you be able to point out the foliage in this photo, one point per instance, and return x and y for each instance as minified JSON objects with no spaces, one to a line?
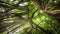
{"x":24,"y":17}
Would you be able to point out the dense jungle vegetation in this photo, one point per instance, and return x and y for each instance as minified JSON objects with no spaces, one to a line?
{"x":29,"y":16}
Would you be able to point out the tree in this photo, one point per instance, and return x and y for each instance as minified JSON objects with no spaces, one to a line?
{"x":29,"y":16}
